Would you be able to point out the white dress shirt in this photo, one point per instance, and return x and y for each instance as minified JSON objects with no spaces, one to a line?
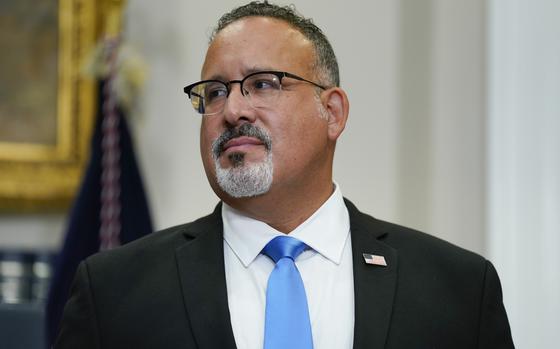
{"x":326,"y":270}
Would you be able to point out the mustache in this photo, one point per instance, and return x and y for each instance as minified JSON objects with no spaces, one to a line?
{"x":247,"y":130}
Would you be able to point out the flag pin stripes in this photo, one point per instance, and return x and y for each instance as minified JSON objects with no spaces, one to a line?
{"x":374,"y":259}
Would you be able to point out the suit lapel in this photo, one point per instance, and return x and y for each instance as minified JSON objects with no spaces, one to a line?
{"x":201,"y":270}
{"x":374,"y":286}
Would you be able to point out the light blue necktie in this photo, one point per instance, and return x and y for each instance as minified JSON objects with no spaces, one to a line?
{"x":287,"y":324}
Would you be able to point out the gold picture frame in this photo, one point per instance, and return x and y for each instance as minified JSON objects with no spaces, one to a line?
{"x":36,"y":176}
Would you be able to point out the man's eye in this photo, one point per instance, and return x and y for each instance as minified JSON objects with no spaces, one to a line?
{"x":264,"y":84}
{"x":215,"y":93}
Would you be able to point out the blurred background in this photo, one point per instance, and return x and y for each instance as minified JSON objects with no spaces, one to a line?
{"x":454,"y":130}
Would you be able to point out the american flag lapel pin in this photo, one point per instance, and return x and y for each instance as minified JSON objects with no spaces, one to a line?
{"x":374,"y":259}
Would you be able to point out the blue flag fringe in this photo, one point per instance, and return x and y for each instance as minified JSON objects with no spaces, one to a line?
{"x":82,"y":235}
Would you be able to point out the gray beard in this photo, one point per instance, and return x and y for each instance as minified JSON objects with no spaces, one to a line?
{"x":243,"y":180}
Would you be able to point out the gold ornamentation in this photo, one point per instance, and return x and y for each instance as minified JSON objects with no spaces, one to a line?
{"x":39,"y":177}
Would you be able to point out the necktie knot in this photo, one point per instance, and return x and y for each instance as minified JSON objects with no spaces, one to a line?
{"x":282,"y":247}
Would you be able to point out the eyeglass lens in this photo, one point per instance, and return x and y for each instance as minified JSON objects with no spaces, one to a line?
{"x":260,"y":90}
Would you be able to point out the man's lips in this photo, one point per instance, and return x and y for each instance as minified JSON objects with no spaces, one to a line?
{"x":239,"y":143}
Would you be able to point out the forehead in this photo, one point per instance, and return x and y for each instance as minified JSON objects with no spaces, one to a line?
{"x":256,"y":43}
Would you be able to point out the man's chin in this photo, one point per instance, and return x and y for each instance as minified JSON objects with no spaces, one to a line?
{"x":243,"y":179}
{"x":239,"y":159}
{"x":235,"y":159}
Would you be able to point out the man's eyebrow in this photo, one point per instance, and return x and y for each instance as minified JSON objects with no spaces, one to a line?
{"x":215,"y":77}
{"x":246,"y":72}
{"x":256,"y":69}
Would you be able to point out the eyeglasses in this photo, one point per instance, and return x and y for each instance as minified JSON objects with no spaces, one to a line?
{"x":260,"y":89}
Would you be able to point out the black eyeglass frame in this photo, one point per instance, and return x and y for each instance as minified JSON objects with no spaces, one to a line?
{"x":279,"y":74}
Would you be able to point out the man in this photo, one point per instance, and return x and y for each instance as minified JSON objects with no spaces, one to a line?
{"x":272,"y":110}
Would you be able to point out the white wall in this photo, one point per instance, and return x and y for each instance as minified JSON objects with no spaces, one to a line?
{"x":524,"y":165}
{"x":439,"y":140}
{"x":36,"y":231}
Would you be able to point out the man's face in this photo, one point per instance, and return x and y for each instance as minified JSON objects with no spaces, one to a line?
{"x":265,"y":148}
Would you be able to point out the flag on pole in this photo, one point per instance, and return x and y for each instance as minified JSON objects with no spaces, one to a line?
{"x":111,"y":207}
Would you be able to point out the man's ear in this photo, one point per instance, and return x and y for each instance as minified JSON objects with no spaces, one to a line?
{"x":337,"y":106}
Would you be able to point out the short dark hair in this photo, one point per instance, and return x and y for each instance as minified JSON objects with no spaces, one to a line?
{"x":326,"y":65}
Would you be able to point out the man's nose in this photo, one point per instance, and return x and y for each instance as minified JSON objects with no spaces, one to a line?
{"x":237,"y":108}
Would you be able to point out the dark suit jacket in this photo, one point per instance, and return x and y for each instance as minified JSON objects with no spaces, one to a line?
{"x":168,"y":290}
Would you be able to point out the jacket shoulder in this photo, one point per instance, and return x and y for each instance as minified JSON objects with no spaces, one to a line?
{"x":412,"y":244}
{"x":159,"y":243}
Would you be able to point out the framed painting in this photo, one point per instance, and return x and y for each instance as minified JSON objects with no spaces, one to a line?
{"x":47,"y":106}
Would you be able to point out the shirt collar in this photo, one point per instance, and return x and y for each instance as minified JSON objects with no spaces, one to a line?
{"x":326,"y":231}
